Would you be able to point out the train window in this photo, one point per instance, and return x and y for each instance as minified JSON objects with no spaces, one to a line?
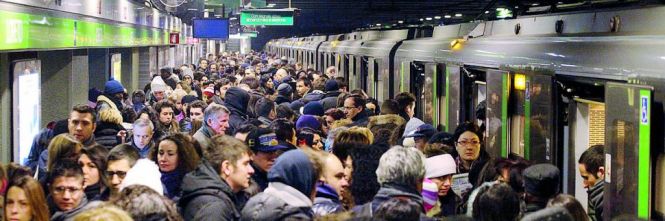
{"x":417,"y":86}
{"x":427,"y":94}
{"x":26,"y":106}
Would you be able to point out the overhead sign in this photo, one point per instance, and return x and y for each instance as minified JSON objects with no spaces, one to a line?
{"x":268,"y":17}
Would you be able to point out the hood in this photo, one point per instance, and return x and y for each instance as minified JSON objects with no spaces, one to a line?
{"x":144,"y":172}
{"x":412,"y":125}
{"x":204,"y":180}
{"x":294,"y":169}
{"x":332,"y":94}
{"x":236,"y":99}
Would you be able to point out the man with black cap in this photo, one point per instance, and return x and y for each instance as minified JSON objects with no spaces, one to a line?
{"x":541,"y":182}
{"x":332,"y":92}
{"x":263,"y":142}
{"x":421,"y":135}
{"x":284,"y":92}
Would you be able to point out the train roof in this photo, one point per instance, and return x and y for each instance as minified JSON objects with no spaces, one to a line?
{"x":424,"y":49}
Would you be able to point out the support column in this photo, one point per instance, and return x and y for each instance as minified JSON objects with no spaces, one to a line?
{"x":99,"y":67}
{"x":5,"y":110}
{"x":56,"y":85}
{"x":79,"y":78}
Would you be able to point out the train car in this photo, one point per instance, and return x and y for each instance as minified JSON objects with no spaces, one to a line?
{"x":377,"y":60}
{"x":555,"y":85}
{"x":326,"y":53}
{"x":349,"y":60}
{"x":310,"y":50}
{"x":419,"y":74}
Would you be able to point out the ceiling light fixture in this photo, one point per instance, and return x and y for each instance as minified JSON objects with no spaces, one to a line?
{"x":400,"y":21}
{"x":428,"y":18}
{"x":422,"y":19}
{"x":447,"y":16}
{"x":458,"y":15}
{"x":437,"y":17}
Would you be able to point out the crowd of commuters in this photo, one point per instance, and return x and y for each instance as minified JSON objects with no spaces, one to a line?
{"x":254,"y":137}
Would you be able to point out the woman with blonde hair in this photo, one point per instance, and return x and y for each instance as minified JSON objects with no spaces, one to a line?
{"x":103,"y":213}
{"x":25,"y":200}
{"x":63,"y":146}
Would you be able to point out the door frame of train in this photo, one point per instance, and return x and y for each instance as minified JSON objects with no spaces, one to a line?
{"x":639,"y":99}
{"x":498,"y":84}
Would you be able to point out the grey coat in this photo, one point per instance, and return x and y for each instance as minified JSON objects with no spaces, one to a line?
{"x":205,"y":196}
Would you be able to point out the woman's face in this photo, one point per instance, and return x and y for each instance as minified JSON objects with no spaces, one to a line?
{"x":90,"y":171}
{"x":18,"y":206}
{"x":443,"y":184}
{"x":468,"y":146}
{"x":348,"y":168}
{"x":167,"y":156}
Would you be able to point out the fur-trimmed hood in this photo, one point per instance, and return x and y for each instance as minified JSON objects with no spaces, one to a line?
{"x":386,"y":119}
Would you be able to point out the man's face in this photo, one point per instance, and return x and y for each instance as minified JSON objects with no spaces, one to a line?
{"x":196,"y":113}
{"x":301,"y":88}
{"x":239,"y":174}
{"x":265,"y":160}
{"x":223,"y":89}
{"x":67,"y":192}
{"x":116,"y":172}
{"x":220,"y":124}
{"x":213,"y":68}
{"x":334,"y":174}
{"x":142,"y":136}
{"x":203,"y":64}
{"x":420,"y":142}
{"x":350,"y":109}
{"x":166,"y":115}
{"x":80,"y":125}
{"x":589,"y":179}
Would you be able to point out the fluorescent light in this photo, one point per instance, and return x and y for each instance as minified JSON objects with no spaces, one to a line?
{"x":270,"y":5}
{"x":458,"y":15}
{"x":487,"y":12}
{"x":428,"y":18}
{"x":232,"y":18}
{"x":437,"y":17}
{"x":422,"y":19}
{"x":535,"y":4}
{"x":400,"y":21}
{"x":447,"y":16}
{"x":378,"y":24}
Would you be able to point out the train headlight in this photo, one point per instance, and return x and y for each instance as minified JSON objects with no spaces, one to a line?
{"x":520,"y":82}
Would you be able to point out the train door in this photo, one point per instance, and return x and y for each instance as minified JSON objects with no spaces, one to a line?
{"x":372,"y":77}
{"x":417,"y":86}
{"x":364,"y":72}
{"x":346,"y":63}
{"x":628,"y":151}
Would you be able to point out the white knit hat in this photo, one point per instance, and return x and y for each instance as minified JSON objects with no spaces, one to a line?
{"x":440,"y":165}
{"x":158,"y":84}
{"x":144,"y":172}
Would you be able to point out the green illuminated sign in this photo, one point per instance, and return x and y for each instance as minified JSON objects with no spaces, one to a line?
{"x":266,"y":17}
{"x":28,"y":31}
{"x":504,"y":13}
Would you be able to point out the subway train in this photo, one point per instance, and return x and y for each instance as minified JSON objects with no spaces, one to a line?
{"x":550,"y":87}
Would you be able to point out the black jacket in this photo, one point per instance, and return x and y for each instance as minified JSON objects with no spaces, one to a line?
{"x":362,"y":118}
{"x":106,"y":134}
{"x":330,"y":100}
{"x":205,"y":196}
{"x":236,"y":100}
{"x":386,"y":193}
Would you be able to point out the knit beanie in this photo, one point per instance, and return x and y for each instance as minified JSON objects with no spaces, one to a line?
{"x":113,"y":87}
{"x":308,"y":121}
{"x":284,"y":89}
{"x":158,"y":84}
{"x":331,"y":85}
{"x":313,"y":108}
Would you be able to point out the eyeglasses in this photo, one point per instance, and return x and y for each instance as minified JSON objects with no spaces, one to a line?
{"x":469,"y":142}
{"x":61,"y":190}
{"x":121,"y":174}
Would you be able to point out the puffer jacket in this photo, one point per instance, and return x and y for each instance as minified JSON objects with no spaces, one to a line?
{"x":315,"y":95}
{"x":205,"y":196}
{"x":326,"y":201}
{"x":236,"y":100}
{"x":106,"y":134}
{"x":278,"y":202}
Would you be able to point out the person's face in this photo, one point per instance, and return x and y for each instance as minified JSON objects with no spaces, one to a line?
{"x":265,"y":160}
{"x":223,"y":89}
{"x":220,"y":124}
{"x":204,"y":79}
{"x":348,"y":167}
{"x":334,"y":175}
{"x":588,"y":179}
{"x":270,"y":84}
{"x":196,"y":113}
{"x":178,"y":105}
{"x":187,"y":79}
{"x":410,"y":109}
{"x":203,"y":64}
{"x":166,"y":116}
{"x":18,"y":207}
{"x":67,"y":192}
{"x":316,"y":142}
{"x":159,"y":95}
{"x":350,"y":109}
{"x":468,"y":146}
{"x":420,"y":143}
{"x":443,"y":184}
{"x":90,"y":171}
{"x":301,"y":88}
{"x":167,"y":156}
{"x":213,"y":68}
{"x":80,"y":125}
{"x":239,"y":174}
{"x":330,"y":120}
{"x":116,"y":172}
{"x":142,"y":136}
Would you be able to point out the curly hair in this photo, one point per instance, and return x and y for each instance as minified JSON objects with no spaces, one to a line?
{"x":188,"y":158}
